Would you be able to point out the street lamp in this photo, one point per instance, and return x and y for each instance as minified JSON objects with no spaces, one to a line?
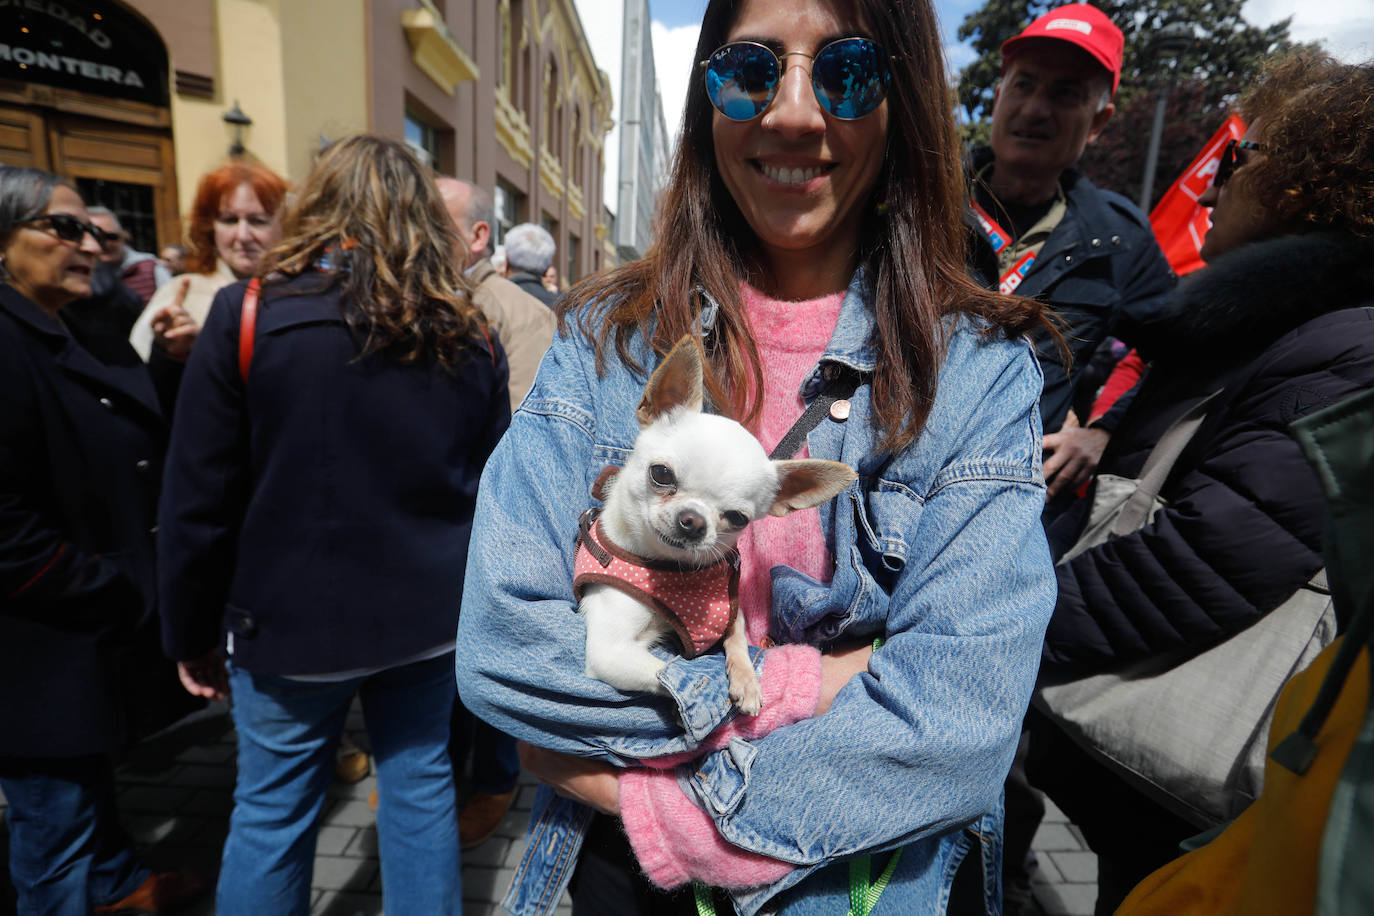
{"x":236,"y":117}
{"x":1166,"y":44}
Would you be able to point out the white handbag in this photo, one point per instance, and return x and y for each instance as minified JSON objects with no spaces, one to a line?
{"x":1188,"y":729}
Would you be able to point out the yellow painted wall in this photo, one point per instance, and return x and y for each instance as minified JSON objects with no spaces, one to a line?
{"x":298,"y":68}
{"x":250,"y":71}
{"x":326,"y":70}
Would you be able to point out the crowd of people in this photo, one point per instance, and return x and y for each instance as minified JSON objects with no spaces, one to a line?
{"x":338,"y":445}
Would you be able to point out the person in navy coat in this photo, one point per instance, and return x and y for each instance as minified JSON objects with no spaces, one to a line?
{"x":315,"y":518}
{"x":82,"y":438}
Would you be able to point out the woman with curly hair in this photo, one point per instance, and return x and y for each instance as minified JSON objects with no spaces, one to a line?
{"x":1281,"y":322}
{"x":315,"y":518}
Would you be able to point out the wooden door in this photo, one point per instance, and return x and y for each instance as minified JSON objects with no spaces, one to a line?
{"x":87,"y":150}
{"x":23,"y":138}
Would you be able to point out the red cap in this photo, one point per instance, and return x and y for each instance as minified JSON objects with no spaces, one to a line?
{"x":1079,"y":24}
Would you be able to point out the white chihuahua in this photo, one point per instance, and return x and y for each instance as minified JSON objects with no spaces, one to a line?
{"x":659,"y":559}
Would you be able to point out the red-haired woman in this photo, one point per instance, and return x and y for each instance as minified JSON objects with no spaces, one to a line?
{"x":235,"y":218}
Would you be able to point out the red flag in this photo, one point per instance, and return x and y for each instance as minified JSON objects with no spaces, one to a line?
{"x":1178,"y":222}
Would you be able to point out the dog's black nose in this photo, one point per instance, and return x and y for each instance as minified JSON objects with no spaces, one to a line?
{"x":691,"y":524}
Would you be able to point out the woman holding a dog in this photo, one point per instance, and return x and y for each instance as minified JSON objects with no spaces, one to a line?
{"x":811,"y":236}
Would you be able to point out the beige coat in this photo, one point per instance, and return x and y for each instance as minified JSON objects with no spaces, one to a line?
{"x":200,"y":292}
{"x":522,"y":323}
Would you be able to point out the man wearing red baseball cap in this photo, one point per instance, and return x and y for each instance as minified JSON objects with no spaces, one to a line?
{"x":1050,"y":233}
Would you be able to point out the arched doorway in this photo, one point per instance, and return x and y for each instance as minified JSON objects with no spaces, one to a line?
{"x":84,"y":93}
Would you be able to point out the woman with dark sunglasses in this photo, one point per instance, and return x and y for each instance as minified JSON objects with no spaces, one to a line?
{"x":1281,"y":324}
{"x":811,"y":234}
{"x":82,"y":436}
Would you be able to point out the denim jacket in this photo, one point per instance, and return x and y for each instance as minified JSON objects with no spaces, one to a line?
{"x":938,"y":549}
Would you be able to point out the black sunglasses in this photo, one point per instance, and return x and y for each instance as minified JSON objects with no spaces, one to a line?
{"x":848,"y":75}
{"x":1230,"y":160}
{"x":70,"y":229}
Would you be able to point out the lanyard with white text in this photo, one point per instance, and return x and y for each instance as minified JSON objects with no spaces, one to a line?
{"x":999,"y":238}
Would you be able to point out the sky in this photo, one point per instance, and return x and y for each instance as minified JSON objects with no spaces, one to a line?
{"x":1345,"y":27}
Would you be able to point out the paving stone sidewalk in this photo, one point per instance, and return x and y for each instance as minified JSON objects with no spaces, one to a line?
{"x":175,"y":797}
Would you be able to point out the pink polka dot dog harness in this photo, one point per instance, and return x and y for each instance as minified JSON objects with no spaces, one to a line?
{"x":699,"y":601}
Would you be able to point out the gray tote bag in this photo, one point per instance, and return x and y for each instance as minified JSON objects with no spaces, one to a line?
{"x":1188,"y":729}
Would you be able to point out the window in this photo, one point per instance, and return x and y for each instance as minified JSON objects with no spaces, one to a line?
{"x":573,"y":273}
{"x":423,"y":140}
{"x":503,"y":49}
{"x":515,"y":57}
{"x":131,"y":203}
{"x":553,"y":117}
{"x":509,"y":204}
{"x":576,"y":141}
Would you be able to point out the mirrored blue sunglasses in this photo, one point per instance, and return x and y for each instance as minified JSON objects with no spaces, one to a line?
{"x":848,"y":75}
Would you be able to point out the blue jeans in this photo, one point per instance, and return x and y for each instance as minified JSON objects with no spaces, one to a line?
{"x":68,"y":852}
{"x":288,"y":731}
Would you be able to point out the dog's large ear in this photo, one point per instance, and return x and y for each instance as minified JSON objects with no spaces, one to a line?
{"x":808,"y":482}
{"x":675,"y":383}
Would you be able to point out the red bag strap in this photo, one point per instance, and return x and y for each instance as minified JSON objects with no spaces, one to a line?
{"x":248,"y":326}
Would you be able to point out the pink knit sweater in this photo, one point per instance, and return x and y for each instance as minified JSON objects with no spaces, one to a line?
{"x":676,"y":841}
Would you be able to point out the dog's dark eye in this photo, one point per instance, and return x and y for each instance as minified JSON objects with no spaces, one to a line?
{"x":662,"y":475}
{"x":735,"y":519}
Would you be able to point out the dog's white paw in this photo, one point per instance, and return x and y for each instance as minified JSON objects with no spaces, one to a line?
{"x":745,"y":692}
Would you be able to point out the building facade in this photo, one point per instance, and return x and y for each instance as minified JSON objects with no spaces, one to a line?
{"x":129,"y":99}
{"x":643,"y":135}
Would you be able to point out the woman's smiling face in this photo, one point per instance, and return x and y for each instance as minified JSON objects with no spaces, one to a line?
{"x":800,"y":177}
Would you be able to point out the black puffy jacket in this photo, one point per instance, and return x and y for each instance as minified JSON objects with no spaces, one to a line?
{"x":1285,"y":327}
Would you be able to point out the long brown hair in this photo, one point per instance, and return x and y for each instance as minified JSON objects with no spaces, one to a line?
{"x":372,"y":208}
{"x":913,"y":239}
{"x":213,"y":188}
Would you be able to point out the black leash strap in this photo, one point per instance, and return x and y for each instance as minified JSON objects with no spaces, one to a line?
{"x":840,"y":382}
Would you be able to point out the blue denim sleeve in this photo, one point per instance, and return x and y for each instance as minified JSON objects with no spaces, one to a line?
{"x":520,"y":654}
{"x":921,"y":743}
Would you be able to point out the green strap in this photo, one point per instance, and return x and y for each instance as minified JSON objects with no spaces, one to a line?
{"x":703,"y":894}
{"x":863,"y":895}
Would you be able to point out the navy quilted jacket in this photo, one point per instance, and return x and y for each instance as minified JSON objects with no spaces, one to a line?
{"x":316,"y":518}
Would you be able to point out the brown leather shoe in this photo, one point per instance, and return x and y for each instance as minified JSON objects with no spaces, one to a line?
{"x":481,"y":816}
{"x":160,"y":891}
{"x":351,"y":764}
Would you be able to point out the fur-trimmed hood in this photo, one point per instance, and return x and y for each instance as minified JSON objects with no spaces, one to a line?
{"x":1250,"y":297}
